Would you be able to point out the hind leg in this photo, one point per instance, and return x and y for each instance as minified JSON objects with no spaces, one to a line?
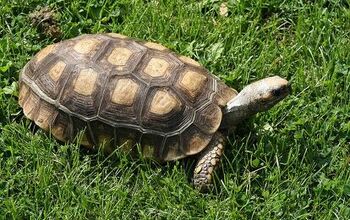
{"x":208,"y":161}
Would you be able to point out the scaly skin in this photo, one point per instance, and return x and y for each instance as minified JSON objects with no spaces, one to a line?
{"x":208,"y":162}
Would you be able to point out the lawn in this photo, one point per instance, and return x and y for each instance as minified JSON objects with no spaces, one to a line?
{"x":289,"y":163}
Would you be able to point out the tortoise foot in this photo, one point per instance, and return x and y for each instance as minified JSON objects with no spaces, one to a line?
{"x":207,"y":163}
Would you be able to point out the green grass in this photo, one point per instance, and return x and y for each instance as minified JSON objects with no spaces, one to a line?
{"x":289,"y":163}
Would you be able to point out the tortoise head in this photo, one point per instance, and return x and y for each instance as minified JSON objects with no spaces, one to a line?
{"x":257,"y":97}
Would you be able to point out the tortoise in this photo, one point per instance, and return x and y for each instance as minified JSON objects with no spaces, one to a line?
{"x":119,"y":92}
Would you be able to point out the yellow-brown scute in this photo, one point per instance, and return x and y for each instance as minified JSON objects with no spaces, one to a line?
{"x":192,"y":82}
{"x":86,"y":46}
{"x":23,"y":93}
{"x":57,"y":70}
{"x":125,"y":92}
{"x":45,"y":52}
{"x":61,"y":127}
{"x":164,"y":102}
{"x":156,"y":67}
{"x":30,"y":105}
{"x":119,"y":56}
{"x":172,"y":154}
{"x":209,"y":119}
{"x":196,"y":144}
{"x":45,"y":116}
{"x":35,"y":109}
{"x":85,"y":82}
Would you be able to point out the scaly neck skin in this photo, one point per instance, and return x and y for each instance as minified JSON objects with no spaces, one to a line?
{"x":236,"y":111}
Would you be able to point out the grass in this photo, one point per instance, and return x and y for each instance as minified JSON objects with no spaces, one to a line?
{"x":289,"y":163}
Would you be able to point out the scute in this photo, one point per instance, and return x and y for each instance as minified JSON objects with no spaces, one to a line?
{"x":173,"y":149}
{"x":61,"y":127}
{"x":116,"y":92}
{"x":52,"y":75}
{"x":85,"y":82}
{"x":164,"y":112}
{"x":209,"y":118}
{"x":56,"y":71}
{"x":192,"y":82}
{"x":194,"y":140}
{"x":164,"y":102}
{"x":122,"y":100}
{"x":23,"y":94}
{"x":86,"y":45}
{"x":46,"y":114}
{"x":156,"y":67}
{"x":30,"y":106}
{"x":124,"y":92}
{"x":196,"y":86}
{"x":119,"y":56}
{"x":45,"y":52}
{"x":224,"y":94}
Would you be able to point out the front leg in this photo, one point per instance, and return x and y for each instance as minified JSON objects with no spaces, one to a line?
{"x":208,"y":161}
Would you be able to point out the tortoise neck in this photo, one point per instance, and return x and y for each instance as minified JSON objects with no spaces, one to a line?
{"x":236,"y":115}
{"x":237,"y":110}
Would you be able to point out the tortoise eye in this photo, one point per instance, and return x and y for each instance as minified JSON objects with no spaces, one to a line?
{"x":276,"y":92}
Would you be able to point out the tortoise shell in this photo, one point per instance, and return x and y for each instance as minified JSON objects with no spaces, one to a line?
{"x":118,"y":91}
